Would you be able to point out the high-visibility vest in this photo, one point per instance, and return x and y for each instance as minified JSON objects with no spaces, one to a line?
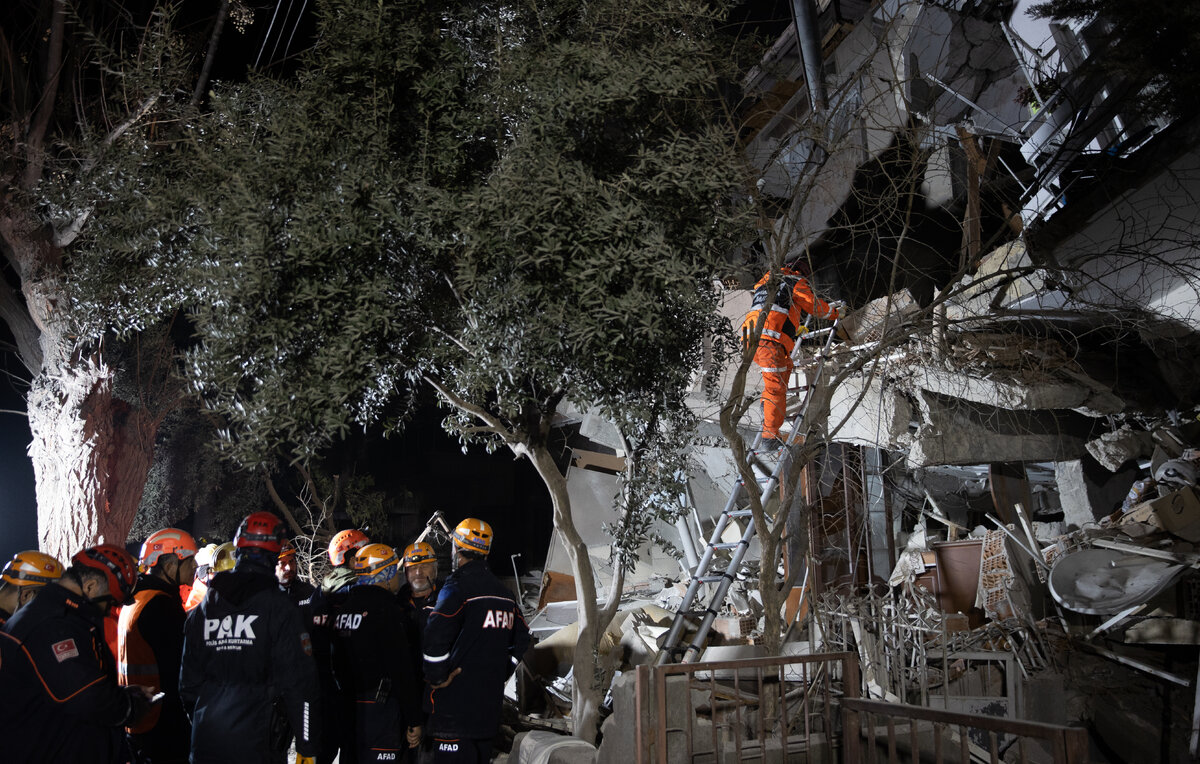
{"x":136,"y":662}
{"x":793,"y":298}
{"x":195,"y":596}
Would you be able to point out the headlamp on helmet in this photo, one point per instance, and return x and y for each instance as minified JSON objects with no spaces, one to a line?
{"x":418,"y":552}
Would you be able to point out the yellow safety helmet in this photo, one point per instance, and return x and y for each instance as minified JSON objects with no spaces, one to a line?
{"x":418,"y":552}
{"x":375,"y":562}
{"x":473,"y":535}
{"x":31,"y":568}
{"x":223,"y":558}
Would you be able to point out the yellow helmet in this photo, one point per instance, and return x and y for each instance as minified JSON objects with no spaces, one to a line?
{"x":375,"y":563}
{"x":31,"y":568}
{"x":223,"y":558}
{"x":417,"y":553}
{"x":473,"y":535}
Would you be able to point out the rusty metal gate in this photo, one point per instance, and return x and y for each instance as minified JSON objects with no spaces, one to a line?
{"x":763,"y":709}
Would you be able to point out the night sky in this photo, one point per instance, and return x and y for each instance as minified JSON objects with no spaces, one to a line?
{"x":18,"y":510}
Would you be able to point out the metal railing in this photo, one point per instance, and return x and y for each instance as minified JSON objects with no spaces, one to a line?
{"x":950,"y":736}
{"x":782,"y":708}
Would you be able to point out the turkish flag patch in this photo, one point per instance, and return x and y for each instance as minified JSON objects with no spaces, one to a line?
{"x":65,"y":649}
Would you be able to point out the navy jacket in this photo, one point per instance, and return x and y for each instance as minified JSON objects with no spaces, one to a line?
{"x":476,"y":626}
{"x":59,"y":697}
{"x":244,"y":646}
{"x":299,"y":591}
{"x":373,"y":667}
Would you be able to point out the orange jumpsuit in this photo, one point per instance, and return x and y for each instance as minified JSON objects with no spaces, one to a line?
{"x":793,"y":298}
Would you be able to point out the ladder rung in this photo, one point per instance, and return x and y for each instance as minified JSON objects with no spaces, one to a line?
{"x":740,"y":513}
{"x":714,"y":579}
{"x":726,"y":544}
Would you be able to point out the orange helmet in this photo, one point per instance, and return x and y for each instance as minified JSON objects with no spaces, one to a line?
{"x":375,"y":561}
{"x":117,"y":566}
{"x":32,"y":568}
{"x":167,"y":541}
{"x":288,"y":552}
{"x":473,"y":535}
{"x":344,"y":541}
{"x":417,"y":553}
{"x":260,"y":530}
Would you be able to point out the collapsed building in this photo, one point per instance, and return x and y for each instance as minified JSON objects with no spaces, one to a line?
{"x":991,"y":486}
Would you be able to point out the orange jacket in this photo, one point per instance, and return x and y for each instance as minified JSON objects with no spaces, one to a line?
{"x":136,"y":661}
{"x":196,"y":595}
{"x":793,"y":298}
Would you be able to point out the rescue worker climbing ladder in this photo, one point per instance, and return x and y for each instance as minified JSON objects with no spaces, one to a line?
{"x":782,"y":325}
{"x":783,"y":321}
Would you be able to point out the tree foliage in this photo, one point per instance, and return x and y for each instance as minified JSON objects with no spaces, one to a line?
{"x":518,"y":204}
{"x":284,"y":222}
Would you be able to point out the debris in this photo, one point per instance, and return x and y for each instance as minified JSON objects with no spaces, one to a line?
{"x":1178,"y":513}
{"x":995,"y":578}
{"x":1106,"y":581}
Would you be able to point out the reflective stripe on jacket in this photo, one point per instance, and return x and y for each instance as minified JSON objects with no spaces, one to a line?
{"x":793,"y":298}
{"x":136,"y":662}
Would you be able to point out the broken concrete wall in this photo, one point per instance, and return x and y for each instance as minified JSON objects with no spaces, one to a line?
{"x":870,"y":411}
{"x":1141,"y":252}
{"x":954,"y":431}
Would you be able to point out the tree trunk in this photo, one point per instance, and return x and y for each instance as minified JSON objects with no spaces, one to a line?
{"x":91,"y":452}
{"x":592,"y":675}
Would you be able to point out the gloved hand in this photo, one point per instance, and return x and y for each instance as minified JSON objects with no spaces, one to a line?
{"x":140,"y":703}
{"x":302,"y":759}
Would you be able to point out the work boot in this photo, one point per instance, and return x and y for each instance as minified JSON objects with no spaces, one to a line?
{"x":770,"y":446}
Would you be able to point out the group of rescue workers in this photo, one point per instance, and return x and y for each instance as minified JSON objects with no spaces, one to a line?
{"x":224,"y":654}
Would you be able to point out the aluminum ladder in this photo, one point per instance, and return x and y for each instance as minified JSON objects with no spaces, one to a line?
{"x":736,"y":507}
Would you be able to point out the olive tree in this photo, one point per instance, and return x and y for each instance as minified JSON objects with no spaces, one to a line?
{"x":517,"y":206}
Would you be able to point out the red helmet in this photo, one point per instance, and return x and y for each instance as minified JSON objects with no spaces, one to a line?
{"x":167,"y":541}
{"x":117,"y":566}
{"x":261,"y":530}
{"x":417,"y":553}
{"x":344,"y":541}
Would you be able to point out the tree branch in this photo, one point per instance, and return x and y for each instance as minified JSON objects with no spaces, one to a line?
{"x":25,"y":332}
{"x":281,"y":506}
{"x":65,"y":236}
{"x":36,"y":139}
{"x":211,"y":55}
{"x":492,"y":421}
